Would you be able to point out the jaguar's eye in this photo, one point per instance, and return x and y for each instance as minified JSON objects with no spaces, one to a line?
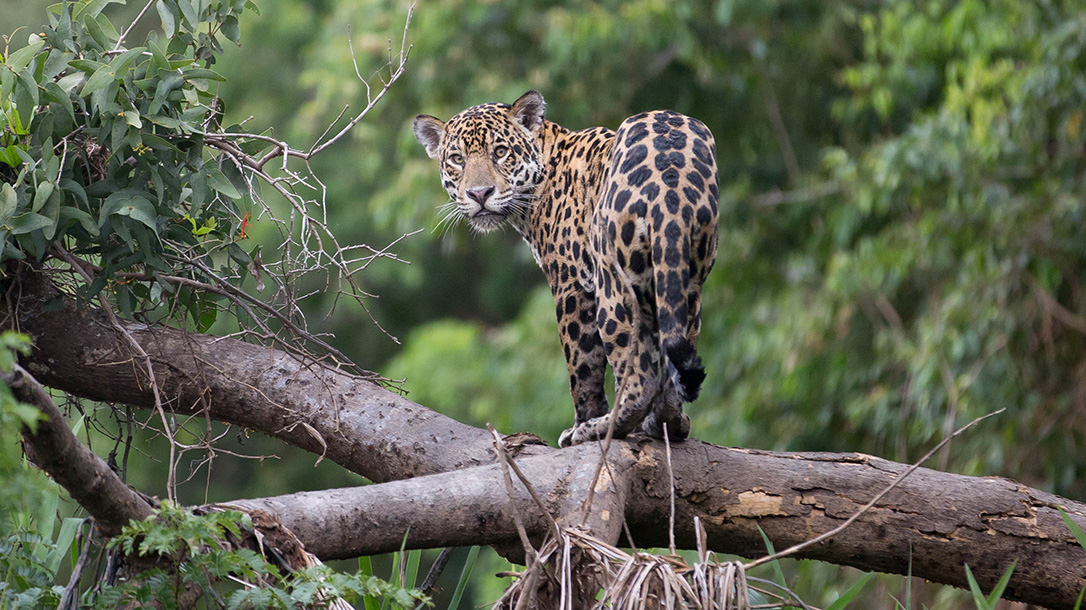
{"x":457,"y":158}
{"x":500,"y":151}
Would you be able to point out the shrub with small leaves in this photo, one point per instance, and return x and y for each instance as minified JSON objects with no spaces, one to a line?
{"x":102,"y":152}
{"x":195,"y":553}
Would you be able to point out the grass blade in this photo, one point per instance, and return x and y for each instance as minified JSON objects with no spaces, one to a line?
{"x":413,"y":559}
{"x":465,"y":574}
{"x":978,"y":597}
{"x":68,"y":530}
{"x":1075,"y":529}
{"x":850,"y":593}
{"x":997,"y":592}
{"x":365,"y":567}
{"x":776,"y":564}
{"x":909,"y":581}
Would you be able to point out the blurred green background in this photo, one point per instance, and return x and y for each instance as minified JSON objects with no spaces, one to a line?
{"x":902,"y":239}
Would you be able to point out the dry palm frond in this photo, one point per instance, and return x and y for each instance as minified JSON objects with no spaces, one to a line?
{"x":580,"y":571}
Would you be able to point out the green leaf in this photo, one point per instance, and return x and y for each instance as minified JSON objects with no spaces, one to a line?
{"x":132,"y":117}
{"x":10,"y":155}
{"x":92,"y":8}
{"x":68,"y":83}
{"x":168,"y":83}
{"x":137,"y":208}
{"x":8,"y":201}
{"x":54,"y":93}
{"x":45,"y":190}
{"x":28,"y":222}
{"x":124,"y":61}
{"x":55,"y":63}
{"x":164,"y":121}
{"x":86,"y":65}
{"x":203,"y":73}
{"x":20,"y":59}
{"x":188,"y":11}
{"x":841,"y":602}
{"x":97,"y":33}
{"x":218,"y":181}
{"x":231,"y":30}
{"x":52,"y":212}
{"x":101,"y":77}
{"x":85,"y":220}
{"x":26,"y":96}
{"x":169,"y":21}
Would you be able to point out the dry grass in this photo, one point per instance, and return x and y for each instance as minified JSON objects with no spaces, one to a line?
{"x":579,"y":571}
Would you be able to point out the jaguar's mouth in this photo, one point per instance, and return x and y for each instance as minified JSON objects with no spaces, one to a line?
{"x":487,"y":220}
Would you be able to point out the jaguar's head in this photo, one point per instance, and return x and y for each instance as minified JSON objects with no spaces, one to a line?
{"x":490,"y":158}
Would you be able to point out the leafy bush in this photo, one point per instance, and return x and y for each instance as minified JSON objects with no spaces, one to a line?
{"x":103,"y":150}
{"x":192,"y":551}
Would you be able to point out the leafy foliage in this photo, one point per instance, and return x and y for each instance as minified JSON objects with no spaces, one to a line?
{"x":195,"y":553}
{"x":102,"y":148}
{"x":30,"y":557}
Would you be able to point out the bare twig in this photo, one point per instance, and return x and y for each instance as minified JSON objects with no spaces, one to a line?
{"x":799,"y":195}
{"x":773,"y":110}
{"x":68,"y":599}
{"x":671,"y":487}
{"x":132,"y":26}
{"x":499,"y":448}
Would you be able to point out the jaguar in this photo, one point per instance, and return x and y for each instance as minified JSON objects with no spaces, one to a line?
{"x":623,"y":224}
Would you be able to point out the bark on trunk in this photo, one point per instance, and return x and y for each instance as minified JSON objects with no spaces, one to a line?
{"x":457,"y":494}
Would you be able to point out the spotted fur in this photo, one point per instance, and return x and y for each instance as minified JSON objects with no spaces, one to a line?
{"x":624,"y":226}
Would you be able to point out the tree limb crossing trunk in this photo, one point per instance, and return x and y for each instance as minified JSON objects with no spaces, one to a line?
{"x":455,"y":494}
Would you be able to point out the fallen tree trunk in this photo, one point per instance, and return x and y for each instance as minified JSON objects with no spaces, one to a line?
{"x":456,"y":494}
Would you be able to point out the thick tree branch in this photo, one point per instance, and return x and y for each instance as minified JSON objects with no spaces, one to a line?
{"x":352,"y":421}
{"x":942,"y":521}
{"x":89,"y":480}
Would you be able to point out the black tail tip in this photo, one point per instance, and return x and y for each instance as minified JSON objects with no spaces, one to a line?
{"x":685,"y":368}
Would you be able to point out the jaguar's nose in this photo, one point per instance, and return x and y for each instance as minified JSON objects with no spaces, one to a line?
{"x":480,"y":193}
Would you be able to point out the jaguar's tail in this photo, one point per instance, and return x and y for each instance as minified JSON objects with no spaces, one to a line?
{"x":684,"y":367}
{"x":677,"y":306}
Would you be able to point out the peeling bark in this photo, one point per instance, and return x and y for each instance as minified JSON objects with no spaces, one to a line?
{"x":456,"y":494}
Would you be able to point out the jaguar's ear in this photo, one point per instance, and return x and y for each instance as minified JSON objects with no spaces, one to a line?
{"x":528,"y":111}
{"x":429,"y":131}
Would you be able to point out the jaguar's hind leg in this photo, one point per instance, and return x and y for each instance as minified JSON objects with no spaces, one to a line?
{"x":634,"y":357}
